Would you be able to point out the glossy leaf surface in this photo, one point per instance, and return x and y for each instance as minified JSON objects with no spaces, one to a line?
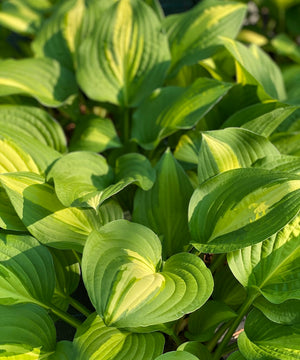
{"x":121,"y":271}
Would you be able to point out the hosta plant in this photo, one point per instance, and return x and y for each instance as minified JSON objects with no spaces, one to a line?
{"x":149,"y":181}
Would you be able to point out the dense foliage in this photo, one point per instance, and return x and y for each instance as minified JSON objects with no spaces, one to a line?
{"x":149,"y":166}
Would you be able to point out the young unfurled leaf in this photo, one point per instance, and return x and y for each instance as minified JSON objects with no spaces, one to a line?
{"x":93,"y":340}
{"x":194,"y":35}
{"x":91,"y":178}
{"x":272,"y":266}
{"x":254,"y":66}
{"x":26,"y":332}
{"x":43,"y":214}
{"x":242,"y":207}
{"x":121,"y":271}
{"x":128,"y":34}
{"x":26,"y":270}
{"x":43,"y":78}
{"x":230,"y":148}
{"x":172,"y":108}
{"x":164,"y":207}
{"x":263,"y":339}
{"x":33,"y":122}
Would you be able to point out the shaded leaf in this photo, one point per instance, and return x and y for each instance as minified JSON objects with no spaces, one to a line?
{"x":9,"y":220}
{"x":195,"y":348}
{"x":93,"y":340}
{"x":121,"y":271}
{"x":241,"y":207}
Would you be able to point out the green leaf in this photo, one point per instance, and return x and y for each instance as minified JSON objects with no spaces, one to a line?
{"x":93,"y":133}
{"x":241,"y":207}
{"x":9,"y":220}
{"x":26,"y":270}
{"x":110,"y":211}
{"x":280,"y":163}
{"x":43,"y":78}
{"x":172,"y":108}
{"x":287,"y":143}
{"x":285,"y":46}
{"x":236,"y":356}
{"x":286,"y":313}
{"x":91,"y":182}
{"x":44,"y":216}
{"x":265,"y":340}
{"x":204,"y":322}
{"x":164,"y":208}
{"x":26,"y":332}
{"x":254,"y":66}
{"x":188,"y":147}
{"x":57,"y":37}
{"x":126,"y":58}
{"x":93,"y":340}
{"x":177,"y":355}
{"x":291,"y":76}
{"x":64,"y":351}
{"x":121,"y":271}
{"x":35,"y":123}
{"x":42,"y":155}
{"x":194,"y":35}
{"x":230,"y":148}
{"x":23,"y":16}
{"x":195,"y":348}
{"x":272,"y":266}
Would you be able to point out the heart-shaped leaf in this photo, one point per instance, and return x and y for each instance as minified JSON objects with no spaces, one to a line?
{"x":137,"y":50}
{"x":256,"y":67}
{"x":272,"y":266}
{"x":44,"y":216}
{"x":172,"y":108}
{"x":26,"y":270}
{"x":265,"y":340}
{"x":194,"y":35}
{"x":121,"y":271}
{"x":242,"y":207}
{"x":230,"y":148}
{"x":93,"y":340}
{"x":167,"y":216}
{"x":92,"y":179}
{"x":33,"y":122}
{"x":26,"y":332}
{"x":43,"y":78}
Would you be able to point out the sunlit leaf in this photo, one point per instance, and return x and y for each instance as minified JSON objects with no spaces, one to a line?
{"x":93,"y":340}
{"x":121,"y":271}
{"x":242,"y":207}
{"x":197,"y":349}
{"x":177,"y":355}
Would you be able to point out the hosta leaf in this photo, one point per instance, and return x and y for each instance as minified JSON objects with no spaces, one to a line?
{"x":203,"y":322}
{"x":93,"y":340}
{"x":172,"y":108}
{"x":44,"y":216}
{"x":93,"y":133}
{"x":194,"y":35}
{"x":284,"y":45}
{"x":23,"y":16}
{"x":177,"y":355}
{"x":287,"y":143}
{"x":13,"y":158}
{"x":291,"y":76}
{"x":280,"y":163}
{"x":42,"y":155}
{"x":230,"y":148}
{"x":91,"y":182}
{"x":197,"y":349}
{"x":236,"y":356}
{"x":272,"y":266}
{"x":57,"y":37}
{"x":109,"y":211}
{"x":64,"y":351}
{"x":126,"y":58}
{"x":25,"y":326}
{"x":188,"y":147}
{"x":43,"y":78}
{"x":164,"y":208}
{"x":242,"y":207}
{"x":120,"y":268}
{"x":286,"y":313}
{"x":256,"y":67}
{"x":9,"y":220}
{"x":265,"y":340}
{"x":33,"y":122}
{"x":26,"y":270}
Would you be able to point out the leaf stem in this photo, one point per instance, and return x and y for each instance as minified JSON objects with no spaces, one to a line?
{"x":63,"y":315}
{"x":213,"y":342}
{"x":78,"y":306}
{"x":241,"y":313}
